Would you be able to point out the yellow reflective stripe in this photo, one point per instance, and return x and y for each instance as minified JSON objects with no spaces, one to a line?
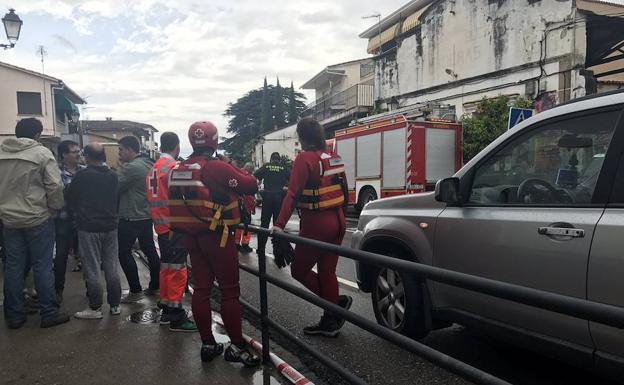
{"x":323,"y":190}
{"x":224,"y":236}
{"x":332,"y":202}
{"x":315,"y":206}
{"x":203,"y":203}
{"x":225,"y":222}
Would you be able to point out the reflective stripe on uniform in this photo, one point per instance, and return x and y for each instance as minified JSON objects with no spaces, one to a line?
{"x":322,"y":190}
{"x":173,"y":266}
{"x":156,"y":204}
{"x":225,"y":222}
{"x":315,"y":206}
{"x":202,"y":203}
{"x":188,"y":183}
{"x":334,"y":171}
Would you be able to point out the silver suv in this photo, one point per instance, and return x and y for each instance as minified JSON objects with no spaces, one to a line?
{"x":542,"y":207}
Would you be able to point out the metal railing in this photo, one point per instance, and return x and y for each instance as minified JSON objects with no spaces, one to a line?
{"x":580,"y":308}
{"x":359,"y":95}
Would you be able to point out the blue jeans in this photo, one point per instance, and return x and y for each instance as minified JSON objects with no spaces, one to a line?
{"x":30,"y":246}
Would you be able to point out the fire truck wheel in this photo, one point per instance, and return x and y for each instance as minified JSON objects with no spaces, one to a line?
{"x":367,"y":194}
{"x":398,"y":303}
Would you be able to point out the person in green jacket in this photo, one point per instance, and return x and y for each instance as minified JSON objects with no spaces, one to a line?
{"x":135,"y":221}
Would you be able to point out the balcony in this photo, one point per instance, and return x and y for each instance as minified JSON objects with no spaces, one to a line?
{"x":358,"y":97}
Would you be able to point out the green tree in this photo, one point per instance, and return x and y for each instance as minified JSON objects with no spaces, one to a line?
{"x":293,"y":115}
{"x":278,"y":101}
{"x":487,"y":123}
{"x":245,"y":121}
{"x":267,"y":113}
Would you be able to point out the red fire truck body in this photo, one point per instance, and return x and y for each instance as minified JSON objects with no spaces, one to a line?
{"x":397,"y":156}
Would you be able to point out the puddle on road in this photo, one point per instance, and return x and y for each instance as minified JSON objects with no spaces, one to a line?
{"x":145,"y":317}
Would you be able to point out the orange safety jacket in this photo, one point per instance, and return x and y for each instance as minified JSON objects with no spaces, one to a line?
{"x":158,"y":194}
{"x":192,"y":206}
{"x":330,"y":192}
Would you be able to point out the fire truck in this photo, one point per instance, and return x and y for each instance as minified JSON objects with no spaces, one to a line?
{"x":397,"y":156}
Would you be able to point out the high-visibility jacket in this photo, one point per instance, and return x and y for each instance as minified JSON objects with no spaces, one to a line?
{"x":329,"y":193}
{"x":158,"y":194}
{"x":193,"y":208}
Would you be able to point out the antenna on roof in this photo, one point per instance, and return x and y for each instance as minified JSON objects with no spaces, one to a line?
{"x":41,"y":51}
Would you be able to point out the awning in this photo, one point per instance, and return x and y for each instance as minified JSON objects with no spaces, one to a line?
{"x":413,"y":20}
{"x":62,"y":105}
{"x":377,"y":41}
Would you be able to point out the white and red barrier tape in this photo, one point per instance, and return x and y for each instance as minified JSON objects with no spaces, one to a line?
{"x":282,"y":366}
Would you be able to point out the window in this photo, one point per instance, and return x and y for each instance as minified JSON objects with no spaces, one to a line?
{"x":29,"y":103}
{"x":555,"y":164}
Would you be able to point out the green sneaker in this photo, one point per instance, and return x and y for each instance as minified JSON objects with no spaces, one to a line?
{"x":187,"y":326}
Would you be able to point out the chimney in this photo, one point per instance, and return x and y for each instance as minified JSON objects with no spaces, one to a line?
{"x":109,"y":118}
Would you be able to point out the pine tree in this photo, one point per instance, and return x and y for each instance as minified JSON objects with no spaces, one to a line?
{"x":266,"y":121}
{"x":292,"y":105}
{"x":278,"y":100}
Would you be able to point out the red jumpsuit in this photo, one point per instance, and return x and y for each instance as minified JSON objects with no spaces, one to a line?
{"x":210,"y":261}
{"x":324,"y":225}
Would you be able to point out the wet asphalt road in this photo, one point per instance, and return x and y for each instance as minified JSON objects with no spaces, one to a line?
{"x":379,"y":362}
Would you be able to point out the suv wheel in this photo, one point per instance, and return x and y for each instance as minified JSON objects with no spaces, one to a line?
{"x":398,"y":303}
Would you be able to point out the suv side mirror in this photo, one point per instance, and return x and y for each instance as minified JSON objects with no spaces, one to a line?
{"x":447,"y":191}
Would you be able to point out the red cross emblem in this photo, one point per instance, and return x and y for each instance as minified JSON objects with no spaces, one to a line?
{"x":199,"y":133}
{"x":153,"y":183}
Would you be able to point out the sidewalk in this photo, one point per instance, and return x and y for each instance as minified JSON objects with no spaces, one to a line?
{"x":114,"y":350}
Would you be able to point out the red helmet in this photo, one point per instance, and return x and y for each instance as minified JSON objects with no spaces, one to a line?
{"x":203,"y":135}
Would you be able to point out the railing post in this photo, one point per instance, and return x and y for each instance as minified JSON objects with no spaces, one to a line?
{"x":264,"y":309}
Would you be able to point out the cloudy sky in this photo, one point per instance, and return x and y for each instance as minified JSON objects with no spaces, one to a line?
{"x":169,"y":63}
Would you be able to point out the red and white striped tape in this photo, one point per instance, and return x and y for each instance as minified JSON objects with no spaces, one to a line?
{"x":282,"y":366}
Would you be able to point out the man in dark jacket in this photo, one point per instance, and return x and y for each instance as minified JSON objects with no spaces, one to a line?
{"x":135,"y":219}
{"x":93,"y":197}
{"x":275,"y":175}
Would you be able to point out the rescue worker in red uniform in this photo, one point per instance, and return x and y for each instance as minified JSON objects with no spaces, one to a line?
{"x":203,"y":204}
{"x":173,"y":272}
{"x":248,"y":204}
{"x":318,"y":188}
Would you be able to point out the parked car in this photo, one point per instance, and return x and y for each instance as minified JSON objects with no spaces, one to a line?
{"x":542,"y":207}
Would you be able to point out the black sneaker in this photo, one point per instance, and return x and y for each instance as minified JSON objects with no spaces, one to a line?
{"x":209,"y":352}
{"x":60,"y":319}
{"x":345,"y":302}
{"x":327,"y":326}
{"x":242,"y":354}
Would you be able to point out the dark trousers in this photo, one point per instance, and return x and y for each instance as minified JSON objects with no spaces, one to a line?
{"x":66,"y":237}
{"x":271,"y":205}
{"x":31,"y":246}
{"x":128,"y":233}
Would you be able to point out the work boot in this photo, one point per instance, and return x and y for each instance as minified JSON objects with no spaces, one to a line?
{"x":327,"y":326}
{"x":165,"y":318}
{"x":15,"y":324}
{"x":345,"y":302}
{"x":246,"y":249}
{"x":242,"y":354}
{"x":59,"y":319}
{"x":186,"y":326}
{"x":209,"y":352}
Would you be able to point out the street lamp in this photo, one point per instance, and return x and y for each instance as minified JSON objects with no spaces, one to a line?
{"x":12,"y":26}
{"x":378,"y":16}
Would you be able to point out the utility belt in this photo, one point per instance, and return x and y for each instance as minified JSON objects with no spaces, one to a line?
{"x":214,"y":222}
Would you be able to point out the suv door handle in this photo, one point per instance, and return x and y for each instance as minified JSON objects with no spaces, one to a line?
{"x":562,"y":231}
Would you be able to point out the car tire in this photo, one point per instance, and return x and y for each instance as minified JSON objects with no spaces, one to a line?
{"x":398,"y":302}
{"x":366,"y":195}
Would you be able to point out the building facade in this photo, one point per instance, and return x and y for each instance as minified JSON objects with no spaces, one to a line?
{"x":284,"y":141}
{"x":29,"y":94}
{"x":343,"y":92}
{"x":456,"y":52}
